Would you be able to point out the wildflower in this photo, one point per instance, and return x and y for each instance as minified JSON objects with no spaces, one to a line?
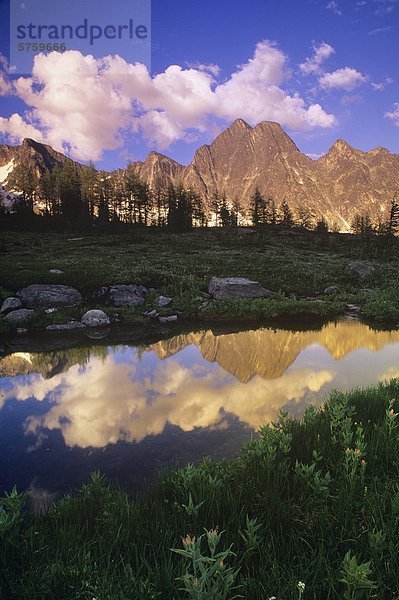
{"x":357,"y":452}
{"x":392,"y":413}
{"x":301,"y":586}
{"x":363,"y":462}
{"x":347,"y":451}
{"x":188,"y":541}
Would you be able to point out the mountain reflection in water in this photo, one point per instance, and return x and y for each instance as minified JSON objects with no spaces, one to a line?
{"x":131,"y":410}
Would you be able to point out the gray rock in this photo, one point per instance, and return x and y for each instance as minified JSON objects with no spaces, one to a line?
{"x":18,"y":316}
{"x":49,"y":296}
{"x":163,"y":301}
{"x":22,"y":330}
{"x":236,"y":287}
{"x":10,"y":304}
{"x":49,"y":311}
{"x":170,"y":319}
{"x":151,"y":313}
{"x":95,"y":318}
{"x":366,"y":291}
{"x":204,"y":305}
{"x":56,"y":271}
{"x":332,"y":289}
{"x":65,"y":326}
{"x":353,"y":309}
{"x":359,"y":269}
{"x":123,"y":295}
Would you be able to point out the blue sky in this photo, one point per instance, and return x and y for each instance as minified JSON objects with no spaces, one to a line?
{"x":325,"y":69}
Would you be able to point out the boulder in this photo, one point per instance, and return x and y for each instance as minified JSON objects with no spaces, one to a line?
{"x":10,"y":304}
{"x":49,"y":296}
{"x":19,"y":316}
{"x":65,"y":326}
{"x":163,"y":301}
{"x":95,"y":318}
{"x":332,"y":289}
{"x":170,"y":319}
{"x":359,"y":269}
{"x":123,"y":295}
{"x":226,"y":288}
{"x":152,"y":314}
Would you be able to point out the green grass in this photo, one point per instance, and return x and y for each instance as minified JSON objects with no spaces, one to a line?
{"x":315,"y":501}
{"x":181,"y":265}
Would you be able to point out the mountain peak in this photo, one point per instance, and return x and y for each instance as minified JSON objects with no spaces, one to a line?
{"x":378,"y":150}
{"x":340,"y":148}
{"x":240,"y":123}
{"x":341,"y":144}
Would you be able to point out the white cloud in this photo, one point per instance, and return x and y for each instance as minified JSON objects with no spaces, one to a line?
{"x":351,"y":99}
{"x":5,"y":86}
{"x":380,"y":86}
{"x":334,"y":7}
{"x":209,"y":68}
{"x":312,"y":64}
{"x":15,"y":129}
{"x":346,"y":79}
{"x":394,"y":114}
{"x":380,"y":30}
{"x":189,"y":399}
{"x":83,"y":106}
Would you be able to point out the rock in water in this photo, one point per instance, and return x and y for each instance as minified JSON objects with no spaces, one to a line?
{"x":65,"y":326}
{"x":360,"y":269}
{"x":18,"y":316}
{"x":95,"y":318}
{"x":123,"y":295}
{"x":170,"y":319}
{"x":10,"y":304}
{"x":226,"y":288}
{"x":48,"y":296}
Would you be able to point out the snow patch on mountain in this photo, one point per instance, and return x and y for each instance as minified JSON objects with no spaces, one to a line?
{"x":6,"y":170}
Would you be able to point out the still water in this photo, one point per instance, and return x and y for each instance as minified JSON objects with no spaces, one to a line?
{"x":131,"y":411}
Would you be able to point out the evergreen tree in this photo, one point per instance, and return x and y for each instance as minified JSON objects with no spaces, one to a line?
{"x":23,"y":179}
{"x":225,"y":216}
{"x":286,"y":216}
{"x":216,"y":204}
{"x":305,"y":217}
{"x":48,"y":191}
{"x":72,"y":207}
{"x":236,"y":211}
{"x":257,"y":208}
{"x":89,"y":185}
{"x":393,"y":219}
{"x":321,"y":226}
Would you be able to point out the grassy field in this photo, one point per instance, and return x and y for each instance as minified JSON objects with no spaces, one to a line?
{"x":309,"y":510}
{"x":297,"y":267}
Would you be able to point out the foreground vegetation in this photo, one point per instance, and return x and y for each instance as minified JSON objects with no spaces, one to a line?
{"x":310,"y":509}
{"x":297,"y":266}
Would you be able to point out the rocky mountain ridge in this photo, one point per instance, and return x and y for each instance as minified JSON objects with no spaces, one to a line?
{"x":342,"y":183}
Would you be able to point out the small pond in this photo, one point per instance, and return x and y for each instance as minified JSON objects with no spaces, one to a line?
{"x":131,"y":410}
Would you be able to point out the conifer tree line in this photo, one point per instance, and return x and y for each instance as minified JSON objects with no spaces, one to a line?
{"x":83,"y":195}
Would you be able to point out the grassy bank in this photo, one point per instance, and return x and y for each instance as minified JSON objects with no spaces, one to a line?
{"x":297,"y":267}
{"x":313,"y":501}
